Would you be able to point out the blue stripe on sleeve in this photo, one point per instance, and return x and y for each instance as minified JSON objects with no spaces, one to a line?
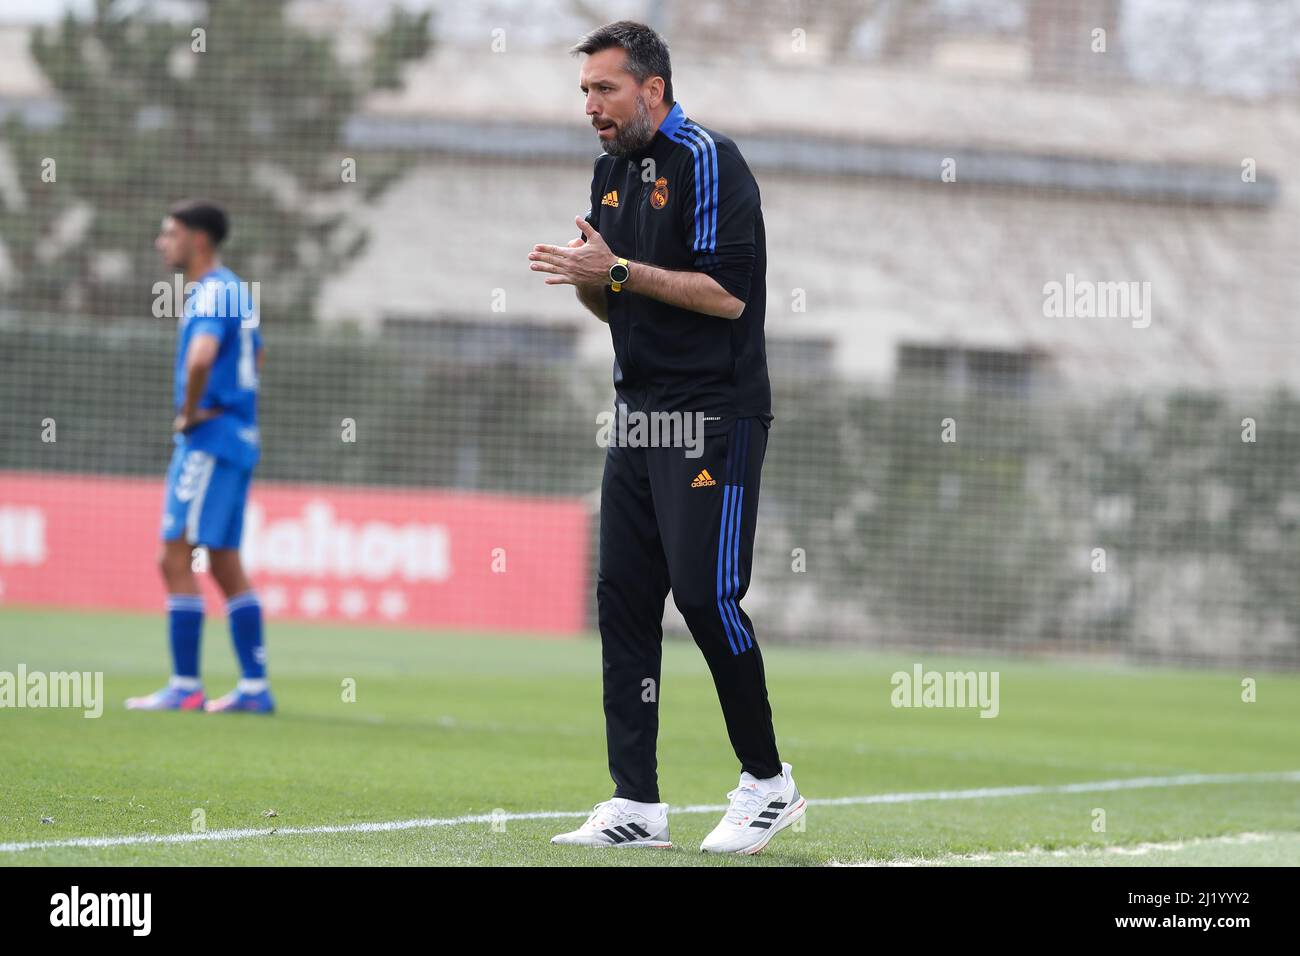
{"x":705,"y":153}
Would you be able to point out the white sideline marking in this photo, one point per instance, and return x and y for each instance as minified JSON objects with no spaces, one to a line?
{"x":214,"y":836}
{"x":1099,"y":851}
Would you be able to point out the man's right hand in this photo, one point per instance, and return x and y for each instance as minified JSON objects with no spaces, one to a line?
{"x":185,"y":421}
{"x":592,"y":297}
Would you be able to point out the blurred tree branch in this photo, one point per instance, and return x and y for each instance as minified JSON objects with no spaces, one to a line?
{"x":240,"y":106}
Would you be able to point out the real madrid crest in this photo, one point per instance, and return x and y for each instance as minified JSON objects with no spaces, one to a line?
{"x":659,"y":195}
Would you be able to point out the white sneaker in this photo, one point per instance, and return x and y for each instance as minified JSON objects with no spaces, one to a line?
{"x":757,"y":813}
{"x":615,"y":823}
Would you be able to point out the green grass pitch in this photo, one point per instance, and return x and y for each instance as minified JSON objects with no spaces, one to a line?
{"x":448,"y":728}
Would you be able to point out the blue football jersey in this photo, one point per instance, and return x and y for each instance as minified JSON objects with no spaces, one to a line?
{"x":223,"y":306}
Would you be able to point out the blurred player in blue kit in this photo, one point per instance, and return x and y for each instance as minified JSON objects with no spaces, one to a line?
{"x":218,"y":360}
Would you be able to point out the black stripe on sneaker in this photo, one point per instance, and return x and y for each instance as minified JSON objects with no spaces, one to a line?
{"x":614,"y":837}
{"x":761,"y":823}
{"x":624,"y":830}
{"x":769,"y":814}
{"x":776,"y":805}
{"x":638,"y":830}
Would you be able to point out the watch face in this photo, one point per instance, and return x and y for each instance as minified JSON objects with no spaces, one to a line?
{"x":618,"y":272}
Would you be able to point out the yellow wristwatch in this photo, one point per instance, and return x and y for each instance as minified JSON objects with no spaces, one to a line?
{"x":618,"y":274}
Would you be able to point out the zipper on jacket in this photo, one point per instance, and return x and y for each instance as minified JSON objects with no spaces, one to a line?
{"x":636,"y":256}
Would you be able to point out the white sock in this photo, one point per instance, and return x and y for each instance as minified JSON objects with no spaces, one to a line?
{"x":186,"y":683}
{"x":770,"y":783}
{"x":648,"y":809}
{"x":251,"y":686}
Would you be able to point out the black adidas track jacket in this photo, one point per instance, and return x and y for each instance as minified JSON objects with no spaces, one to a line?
{"x":686,"y":201}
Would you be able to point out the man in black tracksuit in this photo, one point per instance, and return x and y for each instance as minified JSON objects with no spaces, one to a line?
{"x":673,"y":256}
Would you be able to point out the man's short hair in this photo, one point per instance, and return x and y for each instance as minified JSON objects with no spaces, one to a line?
{"x":204,"y":216}
{"x":647,"y":53}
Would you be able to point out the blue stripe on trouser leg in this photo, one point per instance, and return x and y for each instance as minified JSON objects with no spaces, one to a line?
{"x":723,"y":611}
{"x":737,"y":482}
{"x":737,"y":499}
{"x":724,"y":549}
{"x":743,"y":638}
{"x":729,"y":539}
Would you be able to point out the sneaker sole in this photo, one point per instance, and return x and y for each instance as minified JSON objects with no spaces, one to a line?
{"x":238,"y":710}
{"x":647,"y":844}
{"x":165,"y":710}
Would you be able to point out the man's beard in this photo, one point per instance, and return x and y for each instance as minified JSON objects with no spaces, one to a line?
{"x":632,"y":135}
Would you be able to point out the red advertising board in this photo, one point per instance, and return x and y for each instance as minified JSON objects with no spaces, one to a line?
{"x":432,"y":559}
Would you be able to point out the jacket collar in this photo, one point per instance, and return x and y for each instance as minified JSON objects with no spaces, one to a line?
{"x":670,"y":125}
{"x":673,"y":121}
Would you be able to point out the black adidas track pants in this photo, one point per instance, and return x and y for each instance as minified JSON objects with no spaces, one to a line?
{"x":670,"y":520}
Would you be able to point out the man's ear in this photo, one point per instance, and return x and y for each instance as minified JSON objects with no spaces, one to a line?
{"x":655,"y":91}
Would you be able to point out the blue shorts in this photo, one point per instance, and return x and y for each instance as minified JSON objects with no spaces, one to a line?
{"x":204,"y":500}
